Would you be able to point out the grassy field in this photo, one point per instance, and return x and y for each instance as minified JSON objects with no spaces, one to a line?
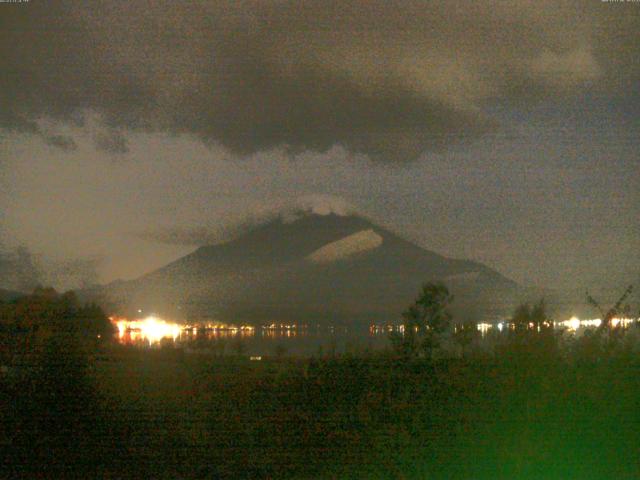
{"x":521,"y":412}
{"x":377,"y":417}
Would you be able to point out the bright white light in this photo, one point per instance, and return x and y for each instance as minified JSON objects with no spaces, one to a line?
{"x":623,"y":322}
{"x":484,"y":327}
{"x":151,"y":329}
{"x":574,"y":323}
{"x":595,"y":322}
{"x":155,"y":329}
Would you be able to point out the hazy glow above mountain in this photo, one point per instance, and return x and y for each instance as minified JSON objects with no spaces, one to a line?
{"x":314,"y":204}
{"x":346,"y":247}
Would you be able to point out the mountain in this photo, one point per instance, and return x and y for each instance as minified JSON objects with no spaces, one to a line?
{"x":312,"y":268}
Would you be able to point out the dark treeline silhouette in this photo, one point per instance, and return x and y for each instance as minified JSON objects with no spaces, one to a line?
{"x":424,"y":322}
{"x":52,"y":419}
{"x":534,"y":405}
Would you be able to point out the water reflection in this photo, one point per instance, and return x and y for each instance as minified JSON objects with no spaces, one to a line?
{"x":572,"y":325}
{"x":152,"y":331}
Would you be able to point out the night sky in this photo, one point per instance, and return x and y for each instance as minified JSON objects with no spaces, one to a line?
{"x":503,"y":132}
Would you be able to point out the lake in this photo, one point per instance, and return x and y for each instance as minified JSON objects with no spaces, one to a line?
{"x":297,"y":340}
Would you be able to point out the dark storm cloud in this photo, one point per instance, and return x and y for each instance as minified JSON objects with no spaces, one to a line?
{"x":21,"y":270}
{"x":11,"y":122}
{"x":111,"y":142}
{"x":61,"y":141}
{"x":389,"y":79}
{"x":285,"y":210}
{"x":72,"y":273}
{"x":18,"y":270}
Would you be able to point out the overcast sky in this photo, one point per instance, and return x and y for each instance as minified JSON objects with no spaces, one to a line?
{"x":504,"y":132}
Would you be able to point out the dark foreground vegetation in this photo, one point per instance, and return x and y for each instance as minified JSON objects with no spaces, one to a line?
{"x":536,"y":406}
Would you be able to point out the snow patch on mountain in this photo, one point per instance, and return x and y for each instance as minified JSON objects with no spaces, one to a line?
{"x":354,"y":244}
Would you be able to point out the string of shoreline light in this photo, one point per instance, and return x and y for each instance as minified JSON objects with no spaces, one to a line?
{"x":154,"y":330}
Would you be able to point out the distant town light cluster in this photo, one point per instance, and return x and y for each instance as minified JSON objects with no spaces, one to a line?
{"x":152,"y":329}
{"x":572,"y":325}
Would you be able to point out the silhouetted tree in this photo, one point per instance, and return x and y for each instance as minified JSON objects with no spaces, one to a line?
{"x":424,"y":321}
{"x":27,"y":323}
{"x":527,"y":317}
{"x":56,"y":405}
{"x":533,"y":339}
{"x":618,"y":308}
{"x":465,"y":334}
{"x":521,"y":317}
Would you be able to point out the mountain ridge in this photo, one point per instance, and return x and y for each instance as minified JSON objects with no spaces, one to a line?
{"x":265,"y":275}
